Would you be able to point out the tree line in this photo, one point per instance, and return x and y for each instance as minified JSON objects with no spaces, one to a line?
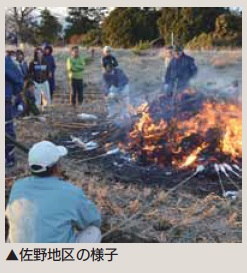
{"x":128,"y":26}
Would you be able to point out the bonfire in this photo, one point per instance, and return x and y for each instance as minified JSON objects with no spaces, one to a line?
{"x":187,"y":131}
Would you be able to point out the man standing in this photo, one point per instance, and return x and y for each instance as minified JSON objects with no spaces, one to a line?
{"x":75,"y":66}
{"x":180,"y":71}
{"x":43,"y":208}
{"x":13,"y":87}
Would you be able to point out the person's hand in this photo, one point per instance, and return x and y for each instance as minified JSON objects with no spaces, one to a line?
{"x":13,"y":99}
{"x":113,"y":89}
{"x":20,"y":108}
{"x":50,"y":75}
{"x":165,"y":87}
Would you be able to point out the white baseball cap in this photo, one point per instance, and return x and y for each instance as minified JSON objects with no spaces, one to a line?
{"x":45,"y":154}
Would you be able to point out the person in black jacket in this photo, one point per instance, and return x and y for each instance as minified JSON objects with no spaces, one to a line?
{"x":108,"y":58}
{"x":48,"y":50}
{"x":180,"y":71}
{"x":40,"y":73}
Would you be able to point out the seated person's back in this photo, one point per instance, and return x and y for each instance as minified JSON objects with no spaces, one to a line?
{"x":47,"y":209}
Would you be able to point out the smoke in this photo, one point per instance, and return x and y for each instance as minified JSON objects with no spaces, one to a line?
{"x":217,"y":73}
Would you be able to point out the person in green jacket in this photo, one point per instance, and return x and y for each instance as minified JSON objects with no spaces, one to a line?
{"x":75,"y":66}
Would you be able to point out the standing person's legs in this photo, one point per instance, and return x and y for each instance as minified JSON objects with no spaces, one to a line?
{"x":46,"y":99}
{"x":91,"y":234}
{"x":37,"y":93}
{"x":52,"y":85}
{"x":124,"y":101}
{"x":112,"y":107}
{"x":74,"y":90}
{"x":125,"y":95}
{"x":9,"y":129}
{"x":80,"y":91}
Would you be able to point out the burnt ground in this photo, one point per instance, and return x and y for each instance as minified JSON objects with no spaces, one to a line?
{"x":134,"y":209}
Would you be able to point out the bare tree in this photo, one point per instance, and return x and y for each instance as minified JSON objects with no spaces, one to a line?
{"x":19,"y":19}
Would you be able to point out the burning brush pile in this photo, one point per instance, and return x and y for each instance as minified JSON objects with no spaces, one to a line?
{"x":187,"y":131}
{"x":167,"y":140}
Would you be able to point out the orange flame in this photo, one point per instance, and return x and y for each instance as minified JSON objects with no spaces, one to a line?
{"x":147,"y":136}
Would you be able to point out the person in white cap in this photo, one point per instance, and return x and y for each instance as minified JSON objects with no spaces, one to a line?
{"x":108,"y":58}
{"x":43,"y":208}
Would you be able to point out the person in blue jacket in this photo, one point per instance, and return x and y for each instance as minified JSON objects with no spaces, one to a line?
{"x":116,"y":89}
{"x":180,"y":71}
{"x":44,"y":208}
{"x":13,"y":87}
{"x":48,"y":50}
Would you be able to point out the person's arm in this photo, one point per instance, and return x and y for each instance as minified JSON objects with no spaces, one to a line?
{"x":31,"y":70}
{"x":168,"y":75}
{"x":193,"y":68}
{"x":103,"y":63}
{"x":68,"y":65}
{"x":53,"y":64}
{"x":169,"y":79}
{"x":122,"y":79}
{"x":25,"y":69}
{"x":48,"y":69}
{"x":114,"y":61}
{"x":13,"y":74}
{"x":87,"y":213}
{"x":80,"y":64}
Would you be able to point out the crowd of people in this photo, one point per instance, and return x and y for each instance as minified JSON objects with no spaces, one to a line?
{"x":43,"y":207}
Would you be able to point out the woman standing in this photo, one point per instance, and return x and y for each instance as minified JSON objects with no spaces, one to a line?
{"x":40,"y":73}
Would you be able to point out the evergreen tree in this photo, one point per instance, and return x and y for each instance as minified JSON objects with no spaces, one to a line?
{"x":126,"y":27}
{"x":187,"y":22}
{"x":83,"y":19}
{"x":49,"y":28}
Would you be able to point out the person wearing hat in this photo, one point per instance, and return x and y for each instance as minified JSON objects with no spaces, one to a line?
{"x":108,"y":58}
{"x":43,"y":208}
{"x":180,"y":71}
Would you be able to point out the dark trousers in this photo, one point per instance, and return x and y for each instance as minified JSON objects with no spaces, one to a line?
{"x":52,"y":85}
{"x":9,"y":129}
{"x":77,"y":91}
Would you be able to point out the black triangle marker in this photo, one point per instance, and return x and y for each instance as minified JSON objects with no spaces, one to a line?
{"x":12,"y":256}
